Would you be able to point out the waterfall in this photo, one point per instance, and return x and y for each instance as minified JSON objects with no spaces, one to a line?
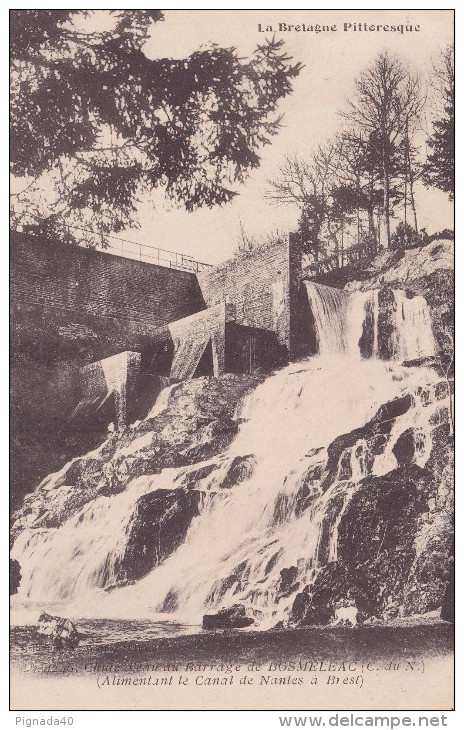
{"x":283,"y":516}
{"x":330,"y":311}
{"x":413,"y":327}
{"x":400,"y":325}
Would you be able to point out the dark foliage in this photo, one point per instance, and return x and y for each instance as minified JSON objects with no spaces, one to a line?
{"x":104,"y":122}
{"x":405,"y":236}
{"x":439,"y":167}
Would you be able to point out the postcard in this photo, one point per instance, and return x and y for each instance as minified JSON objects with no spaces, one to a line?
{"x":232,"y":383}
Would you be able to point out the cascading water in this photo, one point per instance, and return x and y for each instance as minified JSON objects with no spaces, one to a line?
{"x":341,"y":316}
{"x":284,"y":515}
{"x":330,"y":308}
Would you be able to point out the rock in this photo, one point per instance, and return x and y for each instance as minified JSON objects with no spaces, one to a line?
{"x":210,"y":439}
{"x":15,"y":576}
{"x":314,"y":606}
{"x":440,"y":417}
{"x":441,"y":390}
{"x":287,"y":582}
{"x":394,"y":268}
{"x":228,"y":618}
{"x":366,"y":342}
{"x":191,"y":476}
{"x":447,"y":609}
{"x":237,"y":578}
{"x":176,"y":440}
{"x":346,"y":616}
{"x":404,"y":448}
{"x":170,"y":603}
{"x":427,"y":361}
{"x":62,"y":631}
{"x":375,"y":434}
{"x":309,"y":489}
{"x":386,"y":323}
{"x":393,"y":409}
{"x":240,"y":469}
{"x":301,"y":607}
{"x":159,"y":526}
{"x":391,"y":610}
{"x":314,"y":451}
{"x":390,"y":564}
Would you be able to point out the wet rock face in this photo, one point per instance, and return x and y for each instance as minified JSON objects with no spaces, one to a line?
{"x":287,"y":582}
{"x":209,"y":439}
{"x":15,"y":576}
{"x":429,"y":273}
{"x":240,"y":469}
{"x":385,"y":326}
{"x":309,"y":489}
{"x":386,"y":323}
{"x":447,"y":609}
{"x":197,"y":425}
{"x":159,"y":526}
{"x":366,"y":342}
{"x":393,"y":409}
{"x":237,"y":579}
{"x":374,"y":435}
{"x":314,"y":605}
{"x":404,"y":448}
{"x":228,"y":618}
{"x":394,"y":540}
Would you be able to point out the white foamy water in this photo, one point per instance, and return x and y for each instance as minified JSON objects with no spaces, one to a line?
{"x":279,"y":517}
{"x":339,"y":318}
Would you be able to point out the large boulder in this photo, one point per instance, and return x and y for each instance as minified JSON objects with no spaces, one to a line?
{"x":228,"y":618}
{"x":62,"y":632}
{"x":346,"y":613}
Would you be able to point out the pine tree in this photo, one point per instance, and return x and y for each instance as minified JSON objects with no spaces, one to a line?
{"x":96,"y":124}
{"x":439,"y":168}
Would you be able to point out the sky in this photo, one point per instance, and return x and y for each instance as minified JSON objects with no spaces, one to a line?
{"x":331,"y":63}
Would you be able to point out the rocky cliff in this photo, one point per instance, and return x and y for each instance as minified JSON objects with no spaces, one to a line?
{"x":396,"y":540}
{"x":427,"y":271}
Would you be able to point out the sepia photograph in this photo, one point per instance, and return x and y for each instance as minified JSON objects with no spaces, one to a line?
{"x":232,"y":360}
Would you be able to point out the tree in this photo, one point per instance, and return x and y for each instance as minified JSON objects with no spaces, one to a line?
{"x":96,"y":123}
{"x":404,"y":236}
{"x":356,"y":168}
{"x":439,"y":167}
{"x":387,"y":100}
{"x":328,"y":189}
{"x":411,"y":172}
{"x":306,"y":185}
{"x":344,"y":202}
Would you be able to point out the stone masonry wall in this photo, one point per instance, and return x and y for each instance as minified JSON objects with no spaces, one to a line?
{"x":261,"y":287}
{"x":113,"y":303}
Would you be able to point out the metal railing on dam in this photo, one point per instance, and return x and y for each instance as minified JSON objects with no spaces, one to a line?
{"x":132,"y":249}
